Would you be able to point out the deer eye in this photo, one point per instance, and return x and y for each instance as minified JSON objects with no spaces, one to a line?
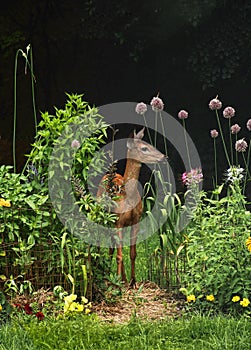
{"x":144,"y":149}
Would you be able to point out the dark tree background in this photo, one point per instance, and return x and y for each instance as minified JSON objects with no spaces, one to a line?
{"x":114,"y":51}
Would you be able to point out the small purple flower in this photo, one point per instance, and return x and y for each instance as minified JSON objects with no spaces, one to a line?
{"x":157,"y":104}
{"x":249,"y":124}
{"x":215,"y":104}
{"x":241,"y":145}
{"x":235,"y":129}
{"x":195,"y":176}
{"x":229,"y":112}
{"x":183,"y":114}
{"x":214,"y":133}
{"x":75,"y":144}
{"x":141,"y":108}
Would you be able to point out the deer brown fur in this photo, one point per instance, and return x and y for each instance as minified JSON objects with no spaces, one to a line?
{"x":129,"y":204}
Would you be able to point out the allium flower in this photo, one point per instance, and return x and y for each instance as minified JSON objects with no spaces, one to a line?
{"x":241,"y":145}
{"x":75,"y":144}
{"x":228,"y":112}
{"x":245,"y":302}
{"x":191,"y":298}
{"x":183,"y":114}
{"x":235,"y":129}
{"x":215,"y":104}
{"x":210,"y":297}
{"x":214,"y":133}
{"x":248,"y":244}
{"x":249,"y":124}
{"x":157,"y":104}
{"x":40,"y":316}
{"x":235,"y":299}
{"x":235,"y":174}
{"x":195,"y":176}
{"x":141,"y":108}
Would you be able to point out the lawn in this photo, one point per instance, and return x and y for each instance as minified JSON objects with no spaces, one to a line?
{"x":87,"y":332}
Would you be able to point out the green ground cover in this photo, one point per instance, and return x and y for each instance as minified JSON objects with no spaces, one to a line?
{"x":197,"y":332}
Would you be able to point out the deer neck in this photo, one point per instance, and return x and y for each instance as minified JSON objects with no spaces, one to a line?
{"x":131,"y":176}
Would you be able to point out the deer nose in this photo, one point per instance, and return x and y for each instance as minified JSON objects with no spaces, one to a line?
{"x":163,"y":158}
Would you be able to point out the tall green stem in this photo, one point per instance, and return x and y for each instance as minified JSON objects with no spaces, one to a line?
{"x":155,"y":129}
{"x":165,"y":145}
{"x":148,"y":133}
{"x":222,"y":137}
{"x":246,"y":162}
{"x":215,"y":164}
{"x":236,"y":153}
{"x":33,"y":90}
{"x":185,"y":137}
{"x":230,"y":141}
{"x":15,"y":112}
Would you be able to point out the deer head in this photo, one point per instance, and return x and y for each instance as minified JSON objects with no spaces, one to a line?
{"x":141,"y":151}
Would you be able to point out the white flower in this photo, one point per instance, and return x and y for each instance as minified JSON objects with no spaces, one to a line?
{"x":234,"y":174}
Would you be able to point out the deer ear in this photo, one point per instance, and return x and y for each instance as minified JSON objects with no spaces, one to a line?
{"x":140,"y":134}
{"x":130,"y":143}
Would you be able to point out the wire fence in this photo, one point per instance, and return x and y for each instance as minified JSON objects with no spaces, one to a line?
{"x":167,"y":270}
{"x":31,"y":252}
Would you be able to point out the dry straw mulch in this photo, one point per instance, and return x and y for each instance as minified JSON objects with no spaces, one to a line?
{"x":147,"y":301}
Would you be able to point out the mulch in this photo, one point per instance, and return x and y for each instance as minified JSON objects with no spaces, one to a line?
{"x":147,"y":302}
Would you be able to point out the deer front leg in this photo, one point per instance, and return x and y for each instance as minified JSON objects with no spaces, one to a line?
{"x":119,"y":258}
{"x":133,"y":240}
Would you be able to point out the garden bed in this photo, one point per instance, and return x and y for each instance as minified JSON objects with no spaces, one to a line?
{"x":147,"y":301}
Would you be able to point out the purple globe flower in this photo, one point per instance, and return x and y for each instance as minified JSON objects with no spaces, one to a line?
{"x":215,"y":104}
{"x":157,"y":104}
{"x":141,"y":108}
{"x":235,"y":129}
{"x":75,"y":144}
{"x":183,"y":114}
{"x":249,"y":124}
{"x":214,"y":133}
{"x":229,"y":112}
{"x":241,"y":145}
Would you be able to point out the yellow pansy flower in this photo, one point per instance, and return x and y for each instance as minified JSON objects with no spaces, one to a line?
{"x":245,"y":302}
{"x":1,"y":308}
{"x":191,"y":298}
{"x":4,"y":203}
{"x":248,"y":244}
{"x":210,"y":297}
{"x":235,"y":298}
{"x":84,"y":300}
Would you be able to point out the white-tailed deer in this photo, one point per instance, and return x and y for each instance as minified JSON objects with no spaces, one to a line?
{"x":129,"y":204}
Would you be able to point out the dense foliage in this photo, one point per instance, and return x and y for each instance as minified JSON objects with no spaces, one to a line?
{"x":31,"y":221}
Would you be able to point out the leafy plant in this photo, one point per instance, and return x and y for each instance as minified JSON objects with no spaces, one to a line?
{"x":5,"y":309}
{"x":218,"y":262}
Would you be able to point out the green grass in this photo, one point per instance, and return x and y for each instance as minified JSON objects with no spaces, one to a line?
{"x":197,"y":332}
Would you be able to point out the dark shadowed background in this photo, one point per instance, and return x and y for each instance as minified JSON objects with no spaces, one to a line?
{"x":116,"y":51}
